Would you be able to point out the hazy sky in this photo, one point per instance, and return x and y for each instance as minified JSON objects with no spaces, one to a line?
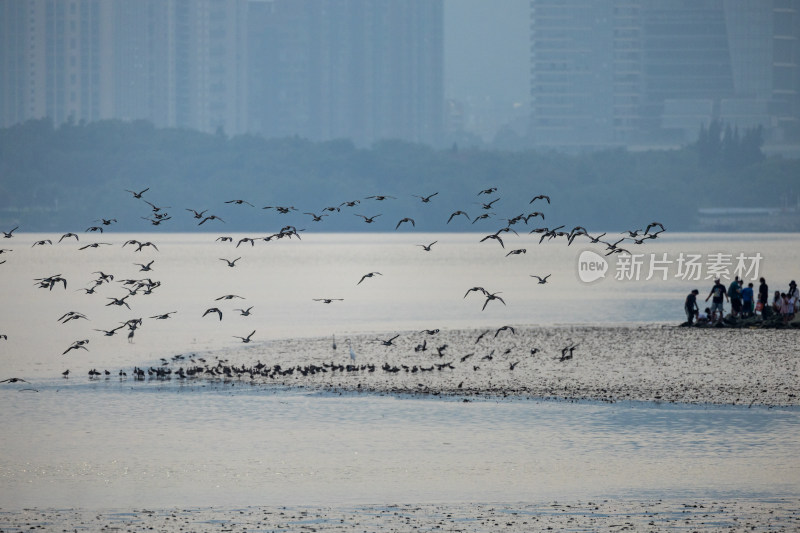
{"x":486,"y":50}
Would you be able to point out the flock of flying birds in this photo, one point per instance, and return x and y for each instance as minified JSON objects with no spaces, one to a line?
{"x":159,"y":215}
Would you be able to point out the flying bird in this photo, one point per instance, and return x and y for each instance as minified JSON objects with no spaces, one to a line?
{"x":229,"y":297}
{"x":427,"y":248}
{"x":163,"y":316}
{"x":42,"y":242}
{"x":231,"y":263}
{"x":76,"y":345}
{"x":543,"y":280}
{"x":369,"y":275}
{"x":540,"y":197}
{"x":457,"y":213}
{"x":425,"y":199}
{"x":7,"y":234}
{"x":490,"y":297}
{"x":328,"y":300}
{"x":213,"y":310}
{"x":406,"y":219}
{"x":137,"y":195}
{"x":68,"y":235}
{"x":368,"y":220}
{"x":239,"y":202}
{"x":504,"y":328}
{"x":495,"y":237}
{"x":387,"y":342}
{"x":490,"y":190}
{"x":209,"y":217}
{"x":246,"y":339}
{"x":145,"y":268}
{"x":197,"y":214}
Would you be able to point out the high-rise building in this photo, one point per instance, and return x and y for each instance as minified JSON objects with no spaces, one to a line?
{"x":358,"y":69}
{"x":179,"y":63}
{"x":622,"y":72}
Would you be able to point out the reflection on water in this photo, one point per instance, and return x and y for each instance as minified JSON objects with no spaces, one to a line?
{"x":148,"y":444}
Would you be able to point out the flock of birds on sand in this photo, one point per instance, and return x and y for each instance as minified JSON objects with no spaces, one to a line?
{"x":159,"y":215}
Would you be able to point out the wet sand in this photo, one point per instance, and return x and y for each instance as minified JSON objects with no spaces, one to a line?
{"x":609,"y":363}
{"x":607,"y":515}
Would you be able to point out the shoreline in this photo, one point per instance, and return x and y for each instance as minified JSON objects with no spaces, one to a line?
{"x":656,"y":514}
{"x":641,"y":363}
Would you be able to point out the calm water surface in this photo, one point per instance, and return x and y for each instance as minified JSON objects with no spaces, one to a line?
{"x":111,"y":443}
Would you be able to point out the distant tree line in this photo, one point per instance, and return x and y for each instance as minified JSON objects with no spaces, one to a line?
{"x":720,"y":145}
{"x":64,"y":178}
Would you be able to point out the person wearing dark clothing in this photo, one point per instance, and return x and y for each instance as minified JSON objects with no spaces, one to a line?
{"x":690,"y":306}
{"x":747,"y":301}
{"x":735,"y":292}
{"x":719,"y":292}
{"x":763,"y":295}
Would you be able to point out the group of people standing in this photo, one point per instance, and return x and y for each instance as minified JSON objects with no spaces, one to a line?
{"x":744,"y":302}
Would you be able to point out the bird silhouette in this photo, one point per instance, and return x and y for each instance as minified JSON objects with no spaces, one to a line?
{"x":77,"y":345}
{"x":495,"y":237}
{"x":119,"y":301}
{"x":316,"y":217}
{"x":490,"y":190}
{"x":213,"y":310}
{"x":71,"y":315}
{"x":427,"y":248}
{"x":143,"y":244}
{"x":475,"y":289}
{"x":231,"y":263}
{"x":42,"y":242}
{"x":328,"y":300}
{"x":244,"y":312}
{"x":14,"y":380}
{"x":145,"y":268}
{"x":138,"y":195}
{"x":94,"y":245}
{"x":406,"y":219}
{"x":516,"y":252}
{"x":387,"y":342}
{"x":209,"y":217}
{"x":490,"y":297}
{"x":368,"y":220}
{"x":163,"y":316}
{"x":489,"y":205}
{"x":505,"y":328}
{"x":457,"y":213}
{"x":369,"y":275}
{"x":68,"y":235}
{"x":197,"y":214}
{"x":230,"y":297}
{"x":540,"y":197}
{"x":425,"y":199}
{"x":239,"y":202}
{"x":8,"y":234}
{"x":246,"y":339}
{"x":541,"y":280}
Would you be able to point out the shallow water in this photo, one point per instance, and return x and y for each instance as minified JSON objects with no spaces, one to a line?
{"x":112,"y":443}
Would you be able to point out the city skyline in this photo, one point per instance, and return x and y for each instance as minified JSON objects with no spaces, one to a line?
{"x":572,"y":75}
